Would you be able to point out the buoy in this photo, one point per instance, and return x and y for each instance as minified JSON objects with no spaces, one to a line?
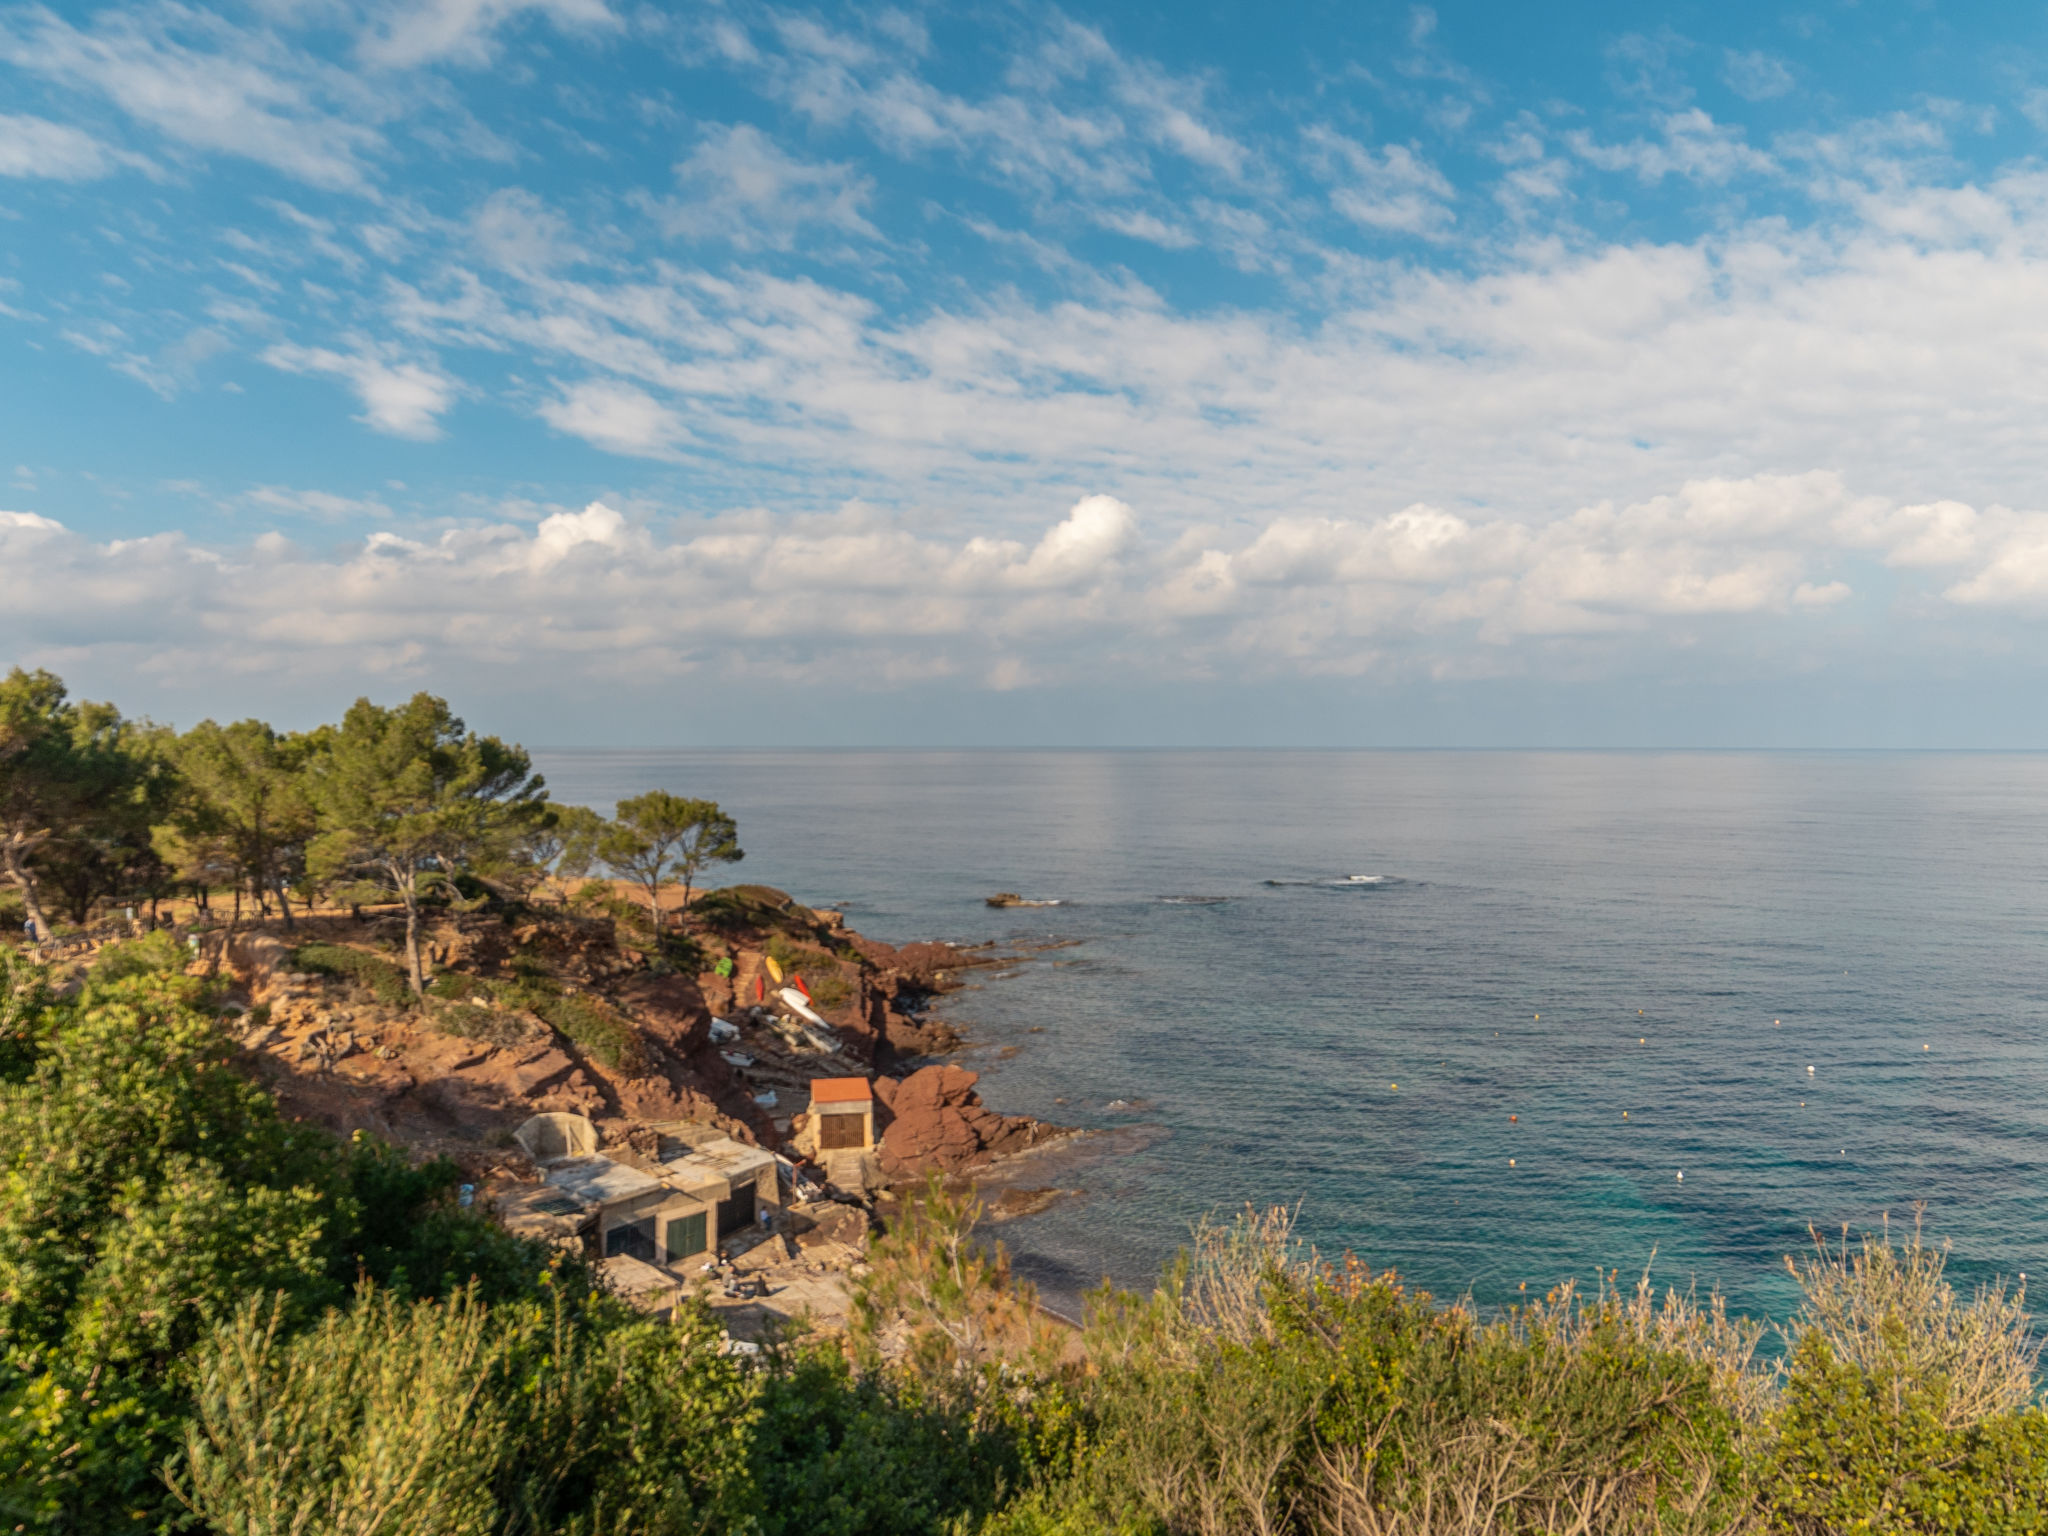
{"x":1513,"y":1118}
{"x":1802,"y":1103}
{"x":1926,"y":1047}
{"x":1624,"y":1114}
{"x":1539,"y":1015}
{"x":1644,"y":1041}
{"x":1393,"y":1087}
{"x":1681,"y":1178}
{"x":1809,"y":1071}
{"x":1511,"y":1162}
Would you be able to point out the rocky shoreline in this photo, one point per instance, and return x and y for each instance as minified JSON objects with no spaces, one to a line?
{"x":556,"y":1011}
{"x":454,"y":1075}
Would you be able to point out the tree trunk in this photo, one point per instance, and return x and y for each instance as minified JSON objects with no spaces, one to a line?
{"x":25,"y":882}
{"x":410,"y":892}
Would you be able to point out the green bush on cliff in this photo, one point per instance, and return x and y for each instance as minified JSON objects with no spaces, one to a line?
{"x":596,"y":1028}
{"x":380,"y":978}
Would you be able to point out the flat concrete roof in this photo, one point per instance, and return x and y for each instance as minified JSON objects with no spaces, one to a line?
{"x":718,"y":1157}
{"x":597,"y":1180}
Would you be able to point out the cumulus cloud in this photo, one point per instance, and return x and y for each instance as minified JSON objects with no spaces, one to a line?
{"x":404,"y":399}
{"x":1419,"y":590}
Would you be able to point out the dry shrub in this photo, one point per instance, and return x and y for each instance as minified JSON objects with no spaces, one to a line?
{"x":1678,"y":1323}
{"x":1888,"y":1310}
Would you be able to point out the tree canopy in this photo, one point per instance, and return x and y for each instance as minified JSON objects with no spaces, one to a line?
{"x":658,"y":837}
{"x":406,"y":796}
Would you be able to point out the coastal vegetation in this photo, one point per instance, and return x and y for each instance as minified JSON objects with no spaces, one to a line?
{"x":216,"y":1318}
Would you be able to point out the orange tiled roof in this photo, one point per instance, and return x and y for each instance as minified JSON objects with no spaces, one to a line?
{"x":840,"y":1090}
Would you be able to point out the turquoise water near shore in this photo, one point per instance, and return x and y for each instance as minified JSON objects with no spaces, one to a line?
{"x":1555,"y":937}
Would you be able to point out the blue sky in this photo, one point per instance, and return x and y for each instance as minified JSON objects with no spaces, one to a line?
{"x":1486,"y":374}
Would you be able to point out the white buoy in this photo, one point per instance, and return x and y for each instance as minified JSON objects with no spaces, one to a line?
{"x":1681,"y":1178}
{"x":1809,"y":1071}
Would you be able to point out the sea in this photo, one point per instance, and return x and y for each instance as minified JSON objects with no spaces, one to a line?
{"x":1492,"y":1019}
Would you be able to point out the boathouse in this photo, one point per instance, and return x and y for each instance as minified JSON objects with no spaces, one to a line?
{"x":843,"y":1111}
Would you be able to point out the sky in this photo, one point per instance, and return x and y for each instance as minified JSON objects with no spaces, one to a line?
{"x":1004,"y":374}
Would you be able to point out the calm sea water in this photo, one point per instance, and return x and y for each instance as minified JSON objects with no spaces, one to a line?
{"x":1558,"y":938}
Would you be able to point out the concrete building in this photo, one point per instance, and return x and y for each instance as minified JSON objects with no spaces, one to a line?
{"x":637,"y":1214}
{"x":665,"y":1208}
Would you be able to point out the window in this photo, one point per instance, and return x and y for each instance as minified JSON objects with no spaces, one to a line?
{"x":686,"y":1236}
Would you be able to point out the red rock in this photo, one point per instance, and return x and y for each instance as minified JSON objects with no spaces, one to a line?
{"x":670,"y":1009}
{"x":936,"y":1120}
{"x":532,"y":1070}
{"x":443,"y":1055}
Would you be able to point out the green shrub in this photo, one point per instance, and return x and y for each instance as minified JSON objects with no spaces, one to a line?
{"x":379,"y":977}
{"x":492,"y":1026}
{"x":597,"y":1029}
{"x":153,"y":954}
{"x":829,"y":989}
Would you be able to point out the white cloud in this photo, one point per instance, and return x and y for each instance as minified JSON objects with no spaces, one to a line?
{"x":205,"y":84}
{"x":1756,"y":75}
{"x":1391,"y":188}
{"x":1692,"y":145}
{"x":522,"y":234}
{"x":617,"y":418}
{"x":416,"y":32}
{"x":320,"y":506}
{"x":35,"y":146}
{"x":403,"y":399}
{"x":1417,"y":592}
{"x":741,"y":187}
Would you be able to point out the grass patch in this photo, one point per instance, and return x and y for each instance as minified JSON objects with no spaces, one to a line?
{"x":380,"y":978}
